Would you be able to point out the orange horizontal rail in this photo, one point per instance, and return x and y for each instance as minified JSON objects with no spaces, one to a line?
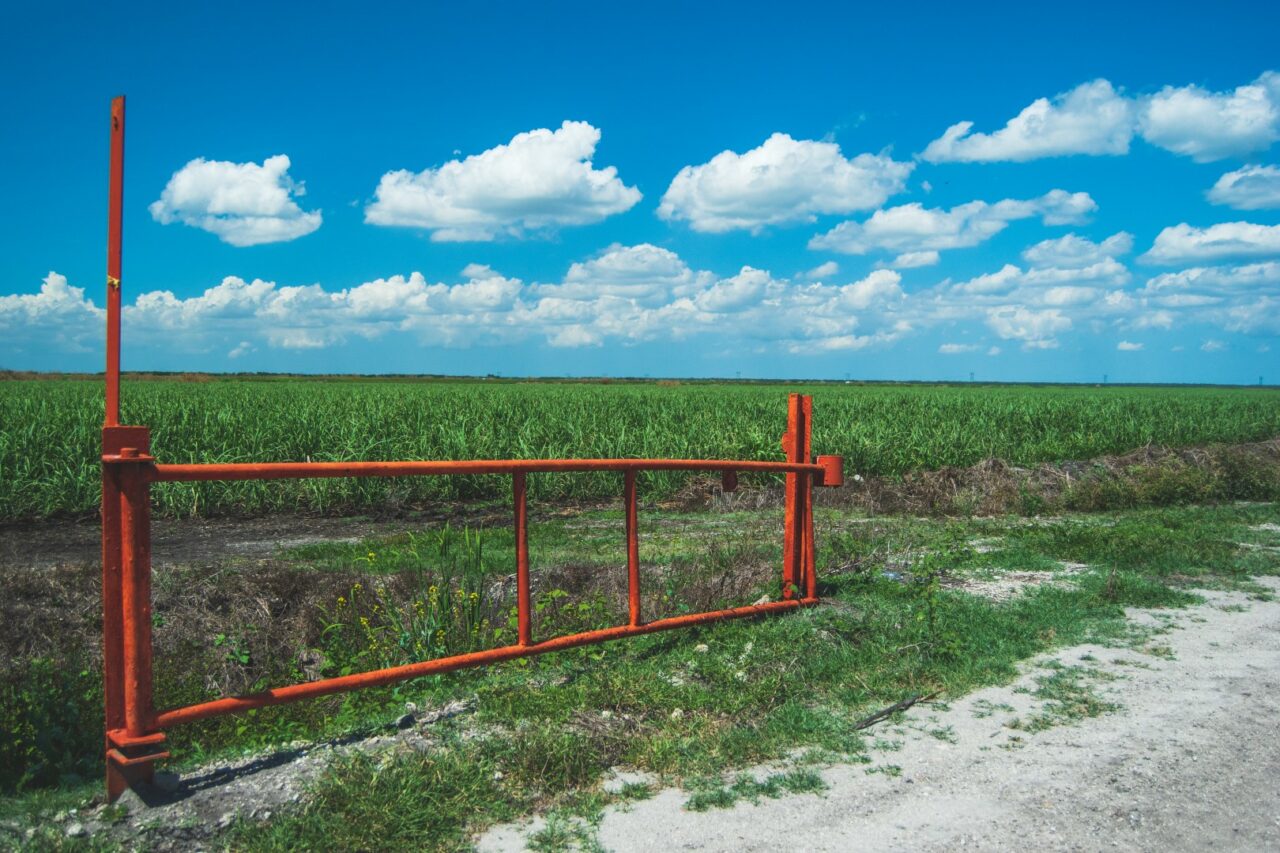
{"x":300,"y":470}
{"x":383,"y":677}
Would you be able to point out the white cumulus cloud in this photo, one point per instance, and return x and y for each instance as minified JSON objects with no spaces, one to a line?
{"x":736,"y":292}
{"x":1128,"y":346}
{"x":1206,"y":125}
{"x":244,"y":204}
{"x":1247,"y":278}
{"x":912,"y":260}
{"x":541,"y":179}
{"x":1036,"y":329}
{"x":625,"y":295}
{"x":1248,"y":188}
{"x":1073,"y":251}
{"x":1054,"y":284}
{"x":1185,"y":243}
{"x":1095,"y":118}
{"x":783,"y":180}
{"x":912,"y":228}
{"x":1092,"y":118}
{"x":821,"y":271}
{"x":57,"y":313}
{"x":646,"y":273}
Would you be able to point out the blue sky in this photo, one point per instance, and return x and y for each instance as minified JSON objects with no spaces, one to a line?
{"x":684,"y":189}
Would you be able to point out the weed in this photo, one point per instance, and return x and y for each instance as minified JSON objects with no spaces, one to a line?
{"x":893,"y":771}
{"x":710,"y":795}
{"x":1069,"y":696}
{"x":564,"y":831}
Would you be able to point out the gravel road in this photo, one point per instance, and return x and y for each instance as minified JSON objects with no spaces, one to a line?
{"x":1189,"y":759}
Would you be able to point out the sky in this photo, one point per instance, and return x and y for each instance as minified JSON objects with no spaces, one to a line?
{"x":1031,"y":192}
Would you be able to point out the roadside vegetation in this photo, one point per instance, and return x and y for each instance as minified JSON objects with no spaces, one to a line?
{"x":914,"y":606}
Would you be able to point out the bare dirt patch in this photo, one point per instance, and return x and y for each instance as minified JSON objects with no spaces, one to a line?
{"x":1005,"y":585}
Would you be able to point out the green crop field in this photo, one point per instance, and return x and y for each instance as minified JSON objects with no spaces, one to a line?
{"x":49,"y":432}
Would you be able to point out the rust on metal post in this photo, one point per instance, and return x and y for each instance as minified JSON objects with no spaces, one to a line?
{"x":633,"y":548}
{"x":115,"y":235}
{"x":524,"y":628}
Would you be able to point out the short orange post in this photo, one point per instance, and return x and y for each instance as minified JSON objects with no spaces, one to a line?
{"x":633,"y":548}
{"x":795,"y":547}
{"x":112,"y":627}
{"x":525,"y":631}
{"x":804,"y":494}
{"x":132,"y":738}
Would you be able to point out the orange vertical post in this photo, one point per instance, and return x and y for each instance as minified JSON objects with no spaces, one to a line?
{"x":797,"y":547}
{"x":790,"y":447}
{"x":524,"y":629}
{"x":115,"y":234}
{"x":808,"y":563}
{"x":132,"y":742}
{"x":112,"y":613}
{"x":633,"y":548}
{"x":135,"y":598}
{"x":112,"y":629}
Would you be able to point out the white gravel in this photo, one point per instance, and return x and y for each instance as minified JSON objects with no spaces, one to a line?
{"x":1189,"y":761}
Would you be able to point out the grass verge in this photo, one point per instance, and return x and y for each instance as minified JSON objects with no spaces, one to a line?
{"x":903,"y":615}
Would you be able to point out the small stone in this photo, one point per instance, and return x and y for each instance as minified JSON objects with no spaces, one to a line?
{"x":764,"y":599}
{"x":76,"y":829}
{"x":404,"y":721}
{"x":677,"y":714}
{"x":130,"y":801}
{"x":702,"y":648}
{"x":498,"y":775}
{"x":226,"y":820}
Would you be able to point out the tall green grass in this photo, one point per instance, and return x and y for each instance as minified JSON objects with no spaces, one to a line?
{"x":49,"y":432}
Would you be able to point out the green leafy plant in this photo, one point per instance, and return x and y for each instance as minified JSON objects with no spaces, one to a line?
{"x":926,"y":571}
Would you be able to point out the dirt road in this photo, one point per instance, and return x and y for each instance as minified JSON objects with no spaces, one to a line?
{"x":1187,"y":758}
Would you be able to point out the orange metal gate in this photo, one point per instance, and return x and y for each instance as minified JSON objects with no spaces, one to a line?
{"x":135,"y":728}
